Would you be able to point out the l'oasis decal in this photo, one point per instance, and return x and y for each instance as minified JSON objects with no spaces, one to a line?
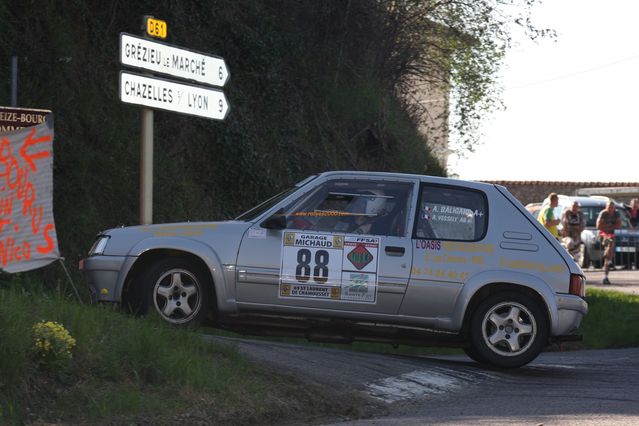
{"x":326,"y":266}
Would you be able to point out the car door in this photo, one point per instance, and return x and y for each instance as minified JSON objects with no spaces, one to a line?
{"x":345,"y":246}
{"x":448,"y":247}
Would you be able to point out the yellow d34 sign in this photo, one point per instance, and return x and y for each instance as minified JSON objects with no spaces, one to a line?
{"x":156,"y":27}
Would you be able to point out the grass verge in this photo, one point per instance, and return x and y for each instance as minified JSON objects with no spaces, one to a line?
{"x":127,"y":370}
{"x":611,"y":321}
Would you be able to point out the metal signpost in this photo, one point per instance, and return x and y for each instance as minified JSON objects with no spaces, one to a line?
{"x":150,"y":91}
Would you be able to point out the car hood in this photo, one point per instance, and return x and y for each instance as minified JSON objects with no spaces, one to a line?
{"x":222,"y":237}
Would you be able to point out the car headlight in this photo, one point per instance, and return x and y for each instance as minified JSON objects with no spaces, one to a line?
{"x":99,"y":245}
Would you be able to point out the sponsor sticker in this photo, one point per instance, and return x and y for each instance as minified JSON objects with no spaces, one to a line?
{"x":329,"y":267}
{"x":258,"y":233}
{"x":359,"y":287}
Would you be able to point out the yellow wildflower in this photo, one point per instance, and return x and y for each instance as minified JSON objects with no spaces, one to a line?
{"x":52,"y":342}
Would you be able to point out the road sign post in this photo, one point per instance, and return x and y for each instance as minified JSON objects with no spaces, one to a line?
{"x":146,"y":166}
{"x":152,"y":92}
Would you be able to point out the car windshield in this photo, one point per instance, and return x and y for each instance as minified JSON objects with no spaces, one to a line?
{"x":256,"y":211}
{"x":265,"y":205}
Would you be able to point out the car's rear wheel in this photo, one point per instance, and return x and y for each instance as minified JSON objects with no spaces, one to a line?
{"x":178,"y":290}
{"x":508,"y":329}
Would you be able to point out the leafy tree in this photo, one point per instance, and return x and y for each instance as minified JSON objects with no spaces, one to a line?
{"x":454,"y":44}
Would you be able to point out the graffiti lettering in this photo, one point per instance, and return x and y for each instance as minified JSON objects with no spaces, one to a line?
{"x":12,"y":251}
{"x":47,"y":236}
{"x":30,"y":142}
{"x":25,"y":225}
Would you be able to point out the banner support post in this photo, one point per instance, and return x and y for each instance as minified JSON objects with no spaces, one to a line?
{"x":75,"y":290}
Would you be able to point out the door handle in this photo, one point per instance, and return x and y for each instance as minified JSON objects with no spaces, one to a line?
{"x":394,"y":250}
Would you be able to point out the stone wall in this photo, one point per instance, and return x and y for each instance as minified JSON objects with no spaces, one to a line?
{"x":535,"y":191}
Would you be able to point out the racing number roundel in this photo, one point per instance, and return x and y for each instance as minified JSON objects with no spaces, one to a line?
{"x":326,"y":266}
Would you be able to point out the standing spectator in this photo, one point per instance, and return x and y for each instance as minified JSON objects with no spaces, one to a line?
{"x":547,"y":215}
{"x":634,"y":212}
{"x":607,"y":222}
{"x":573,"y":222}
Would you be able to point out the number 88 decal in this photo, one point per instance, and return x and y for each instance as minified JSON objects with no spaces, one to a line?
{"x":303,"y":269}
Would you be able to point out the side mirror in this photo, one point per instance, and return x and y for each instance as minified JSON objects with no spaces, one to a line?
{"x":276,"y":221}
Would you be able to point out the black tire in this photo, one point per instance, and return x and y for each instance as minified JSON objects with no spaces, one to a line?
{"x":472,"y":354}
{"x":178,"y":290}
{"x":508,"y":330}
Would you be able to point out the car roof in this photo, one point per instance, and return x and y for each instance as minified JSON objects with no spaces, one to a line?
{"x":585,"y":200}
{"x":390,"y":175}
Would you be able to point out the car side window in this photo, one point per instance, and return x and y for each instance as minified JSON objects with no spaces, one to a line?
{"x":451,"y":213}
{"x":353,"y":207}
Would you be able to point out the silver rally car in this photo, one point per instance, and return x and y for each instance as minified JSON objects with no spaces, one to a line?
{"x":344,"y":256}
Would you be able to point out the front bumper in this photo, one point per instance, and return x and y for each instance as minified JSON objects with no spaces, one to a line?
{"x":104,"y":276}
{"x":570,"y":311}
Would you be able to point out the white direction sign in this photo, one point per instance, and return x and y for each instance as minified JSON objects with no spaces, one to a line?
{"x":171,"y":60}
{"x":159,"y":93}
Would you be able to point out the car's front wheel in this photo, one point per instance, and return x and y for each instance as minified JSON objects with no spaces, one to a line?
{"x":178,"y":290}
{"x":508,"y":329}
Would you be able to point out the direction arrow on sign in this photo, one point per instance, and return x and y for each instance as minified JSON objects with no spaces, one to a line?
{"x":171,"y":60}
{"x":171,"y":96}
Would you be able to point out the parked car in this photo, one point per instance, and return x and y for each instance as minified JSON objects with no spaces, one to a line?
{"x":626,"y":238}
{"x":534,"y":208}
{"x":344,"y":256}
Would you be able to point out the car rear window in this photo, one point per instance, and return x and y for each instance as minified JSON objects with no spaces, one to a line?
{"x":451,"y":213}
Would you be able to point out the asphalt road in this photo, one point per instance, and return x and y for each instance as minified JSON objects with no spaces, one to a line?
{"x":625,"y":280}
{"x":559,"y":388}
{"x":595,"y":387}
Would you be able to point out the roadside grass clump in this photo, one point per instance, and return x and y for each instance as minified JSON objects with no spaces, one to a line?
{"x":124,"y":370}
{"x":612,"y":319}
{"x":119,"y":365}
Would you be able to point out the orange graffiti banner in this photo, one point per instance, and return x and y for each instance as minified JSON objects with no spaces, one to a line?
{"x":28,"y":237}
